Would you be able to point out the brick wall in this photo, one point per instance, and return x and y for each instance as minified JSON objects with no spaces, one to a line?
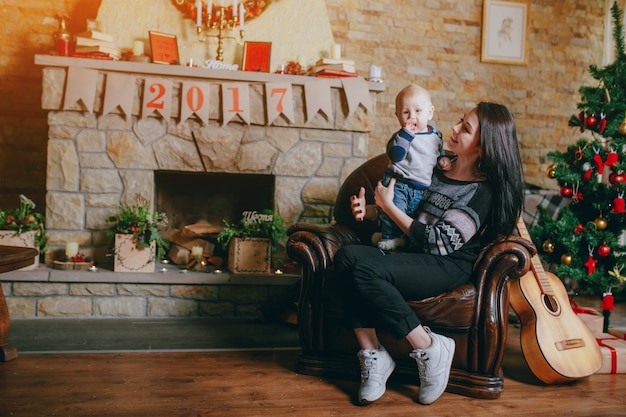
{"x":435,"y":43}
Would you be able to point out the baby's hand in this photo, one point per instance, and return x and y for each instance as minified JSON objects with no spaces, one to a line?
{"x":411,"y":126}
{"x":444,"y":163}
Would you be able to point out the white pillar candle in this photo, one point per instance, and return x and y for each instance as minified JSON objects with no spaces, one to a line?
{"x":196,"y":251}
{"x":376,"y":72}
{"x":242,"y":13}
{"x":71,"y":249}
{"x":335,"y":51}
{"x":138,"y":48}
{"x":198,"y":13}
{"x":210,"y":8}
{"x":221,"y":3}
{"x":301,"y":59}
{"x":235,"y":8}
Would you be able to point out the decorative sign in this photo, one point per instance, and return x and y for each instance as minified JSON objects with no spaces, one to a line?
{"x":235,"y":100}
{"x":256,"y":56}
{"x":317,"y":97}
{"x":279,"y":100}
{"x":117,"y":94}
{"x":215,"y":64}
{"x":164,"y":48}
{"x":81,"y":87}
{"x":195,"y":100}
{"x":157,"y":97}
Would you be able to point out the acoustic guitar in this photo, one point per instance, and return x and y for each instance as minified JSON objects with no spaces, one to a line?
{"x":557,"y":345}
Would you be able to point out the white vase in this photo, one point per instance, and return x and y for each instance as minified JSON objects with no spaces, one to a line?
{"x":23,"y":240}
{"x":130,"y":257}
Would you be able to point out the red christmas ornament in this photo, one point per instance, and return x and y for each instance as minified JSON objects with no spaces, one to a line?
{"x":608,"y":302}
{"x":591,"y":121}
{"x":598,"y":160}
{"x":591,"y":265}
{"x":611,"y":158}
{"x":587,"y":175}
{"x":604,"y":250}
{"x":618,"y":205}
{"x":617,"y":177}
{"x":566,"y":191}
{"x":580,"y":228}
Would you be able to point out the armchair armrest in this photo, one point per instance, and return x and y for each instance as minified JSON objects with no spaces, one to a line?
{"x":501,"y":261}
{"x":315,"y":245}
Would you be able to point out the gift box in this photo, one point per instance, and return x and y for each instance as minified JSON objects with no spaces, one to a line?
{"x":618,"y":332}
{"x":593,"y":320}
{"x":613,"y":354}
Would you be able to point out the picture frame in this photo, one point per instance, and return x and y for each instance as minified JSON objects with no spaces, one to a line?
{"x":164,"y":48}
{"x":505,"y":32}
{"x":256,"y":56}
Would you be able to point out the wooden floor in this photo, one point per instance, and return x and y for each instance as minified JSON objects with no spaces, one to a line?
{"x":264,"y":383}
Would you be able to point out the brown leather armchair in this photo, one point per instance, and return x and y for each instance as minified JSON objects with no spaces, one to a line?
{"x":475,"y":314}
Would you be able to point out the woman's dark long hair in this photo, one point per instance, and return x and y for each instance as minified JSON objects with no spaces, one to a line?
{"x":501,"y":161}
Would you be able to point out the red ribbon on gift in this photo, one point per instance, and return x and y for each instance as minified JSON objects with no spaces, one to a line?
{"x":582,"y":310}
{"x":612,"y":350}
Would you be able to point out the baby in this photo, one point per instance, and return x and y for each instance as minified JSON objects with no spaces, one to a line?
{"x":413,"y":152}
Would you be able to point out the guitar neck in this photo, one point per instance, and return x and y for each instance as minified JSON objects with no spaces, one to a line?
{"x":536,"y":265}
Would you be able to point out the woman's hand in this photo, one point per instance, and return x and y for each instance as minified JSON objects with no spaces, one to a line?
{"x":358,"y":205}
{"x":384,"y":195}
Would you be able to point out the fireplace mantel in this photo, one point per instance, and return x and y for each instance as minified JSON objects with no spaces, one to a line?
{"x":183,"y":71}
{"x":98,"y":160}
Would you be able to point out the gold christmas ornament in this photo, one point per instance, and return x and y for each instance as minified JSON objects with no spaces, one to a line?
{"x":601,"y":223}
{"x":548,"y":246}
{"x":622,"y":128}
{"x":566,"y":259}
{"x":550,"y":173}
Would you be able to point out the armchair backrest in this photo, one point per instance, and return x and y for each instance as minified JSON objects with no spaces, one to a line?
{"x":367,"y":175}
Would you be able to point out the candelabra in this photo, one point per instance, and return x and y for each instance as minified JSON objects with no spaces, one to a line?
{"x":221,"y":19}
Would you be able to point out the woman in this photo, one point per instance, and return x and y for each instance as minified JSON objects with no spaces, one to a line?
{"x":478,"y":198}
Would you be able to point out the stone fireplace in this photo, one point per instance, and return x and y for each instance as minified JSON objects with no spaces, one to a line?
{"x":97,"y":161}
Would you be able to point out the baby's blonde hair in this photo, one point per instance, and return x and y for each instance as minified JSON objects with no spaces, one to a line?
{"x":412,"y":89}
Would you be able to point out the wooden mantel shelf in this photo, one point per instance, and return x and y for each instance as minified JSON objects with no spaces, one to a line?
{"x":183,"y":71}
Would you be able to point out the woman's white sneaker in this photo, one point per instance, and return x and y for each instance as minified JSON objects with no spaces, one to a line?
{"x":376,"y":367}
{"x":434,"y":365}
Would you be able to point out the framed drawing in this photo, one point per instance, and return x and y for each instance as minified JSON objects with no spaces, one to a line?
{"x":505,"y":32}
{"x":256,"y":56}
{"x":164,"y":48}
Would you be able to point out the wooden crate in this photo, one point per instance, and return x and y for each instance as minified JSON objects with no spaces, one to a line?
{"x":249,"y":256}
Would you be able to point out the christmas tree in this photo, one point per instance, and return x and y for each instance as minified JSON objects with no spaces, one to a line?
{"x":586,"y":239}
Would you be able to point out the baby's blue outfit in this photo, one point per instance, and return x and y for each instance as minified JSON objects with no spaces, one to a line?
{"x":412,"y":160}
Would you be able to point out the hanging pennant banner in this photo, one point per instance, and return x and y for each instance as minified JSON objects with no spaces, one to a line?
{"x":157,"y":97}
{"x":194,"y":99}
{"x":235,"y":100}
{"x":120,"y":90}
{"x":357,"y":92}
{"x":279,"y":100}
{"x":317,"y":97}
{"x":80,"y":86}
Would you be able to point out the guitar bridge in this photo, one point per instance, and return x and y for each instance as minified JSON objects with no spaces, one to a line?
{"x":570,"y":344}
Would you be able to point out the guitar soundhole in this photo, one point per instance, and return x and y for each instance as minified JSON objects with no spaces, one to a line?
{"x":552,"y":305}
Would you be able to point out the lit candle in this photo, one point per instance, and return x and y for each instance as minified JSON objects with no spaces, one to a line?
{"x":335,"y":51}
{"x":71,"y":249}
{"x":198,"y":13}
{"x":242,"y":13}
{"x":196,"y":251}
{"x":137,"y":48}
{"x":210,"y":8}
{"x":235,"y":10}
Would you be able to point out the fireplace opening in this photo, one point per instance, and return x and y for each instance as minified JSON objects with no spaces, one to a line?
{"x":190,"y":197}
